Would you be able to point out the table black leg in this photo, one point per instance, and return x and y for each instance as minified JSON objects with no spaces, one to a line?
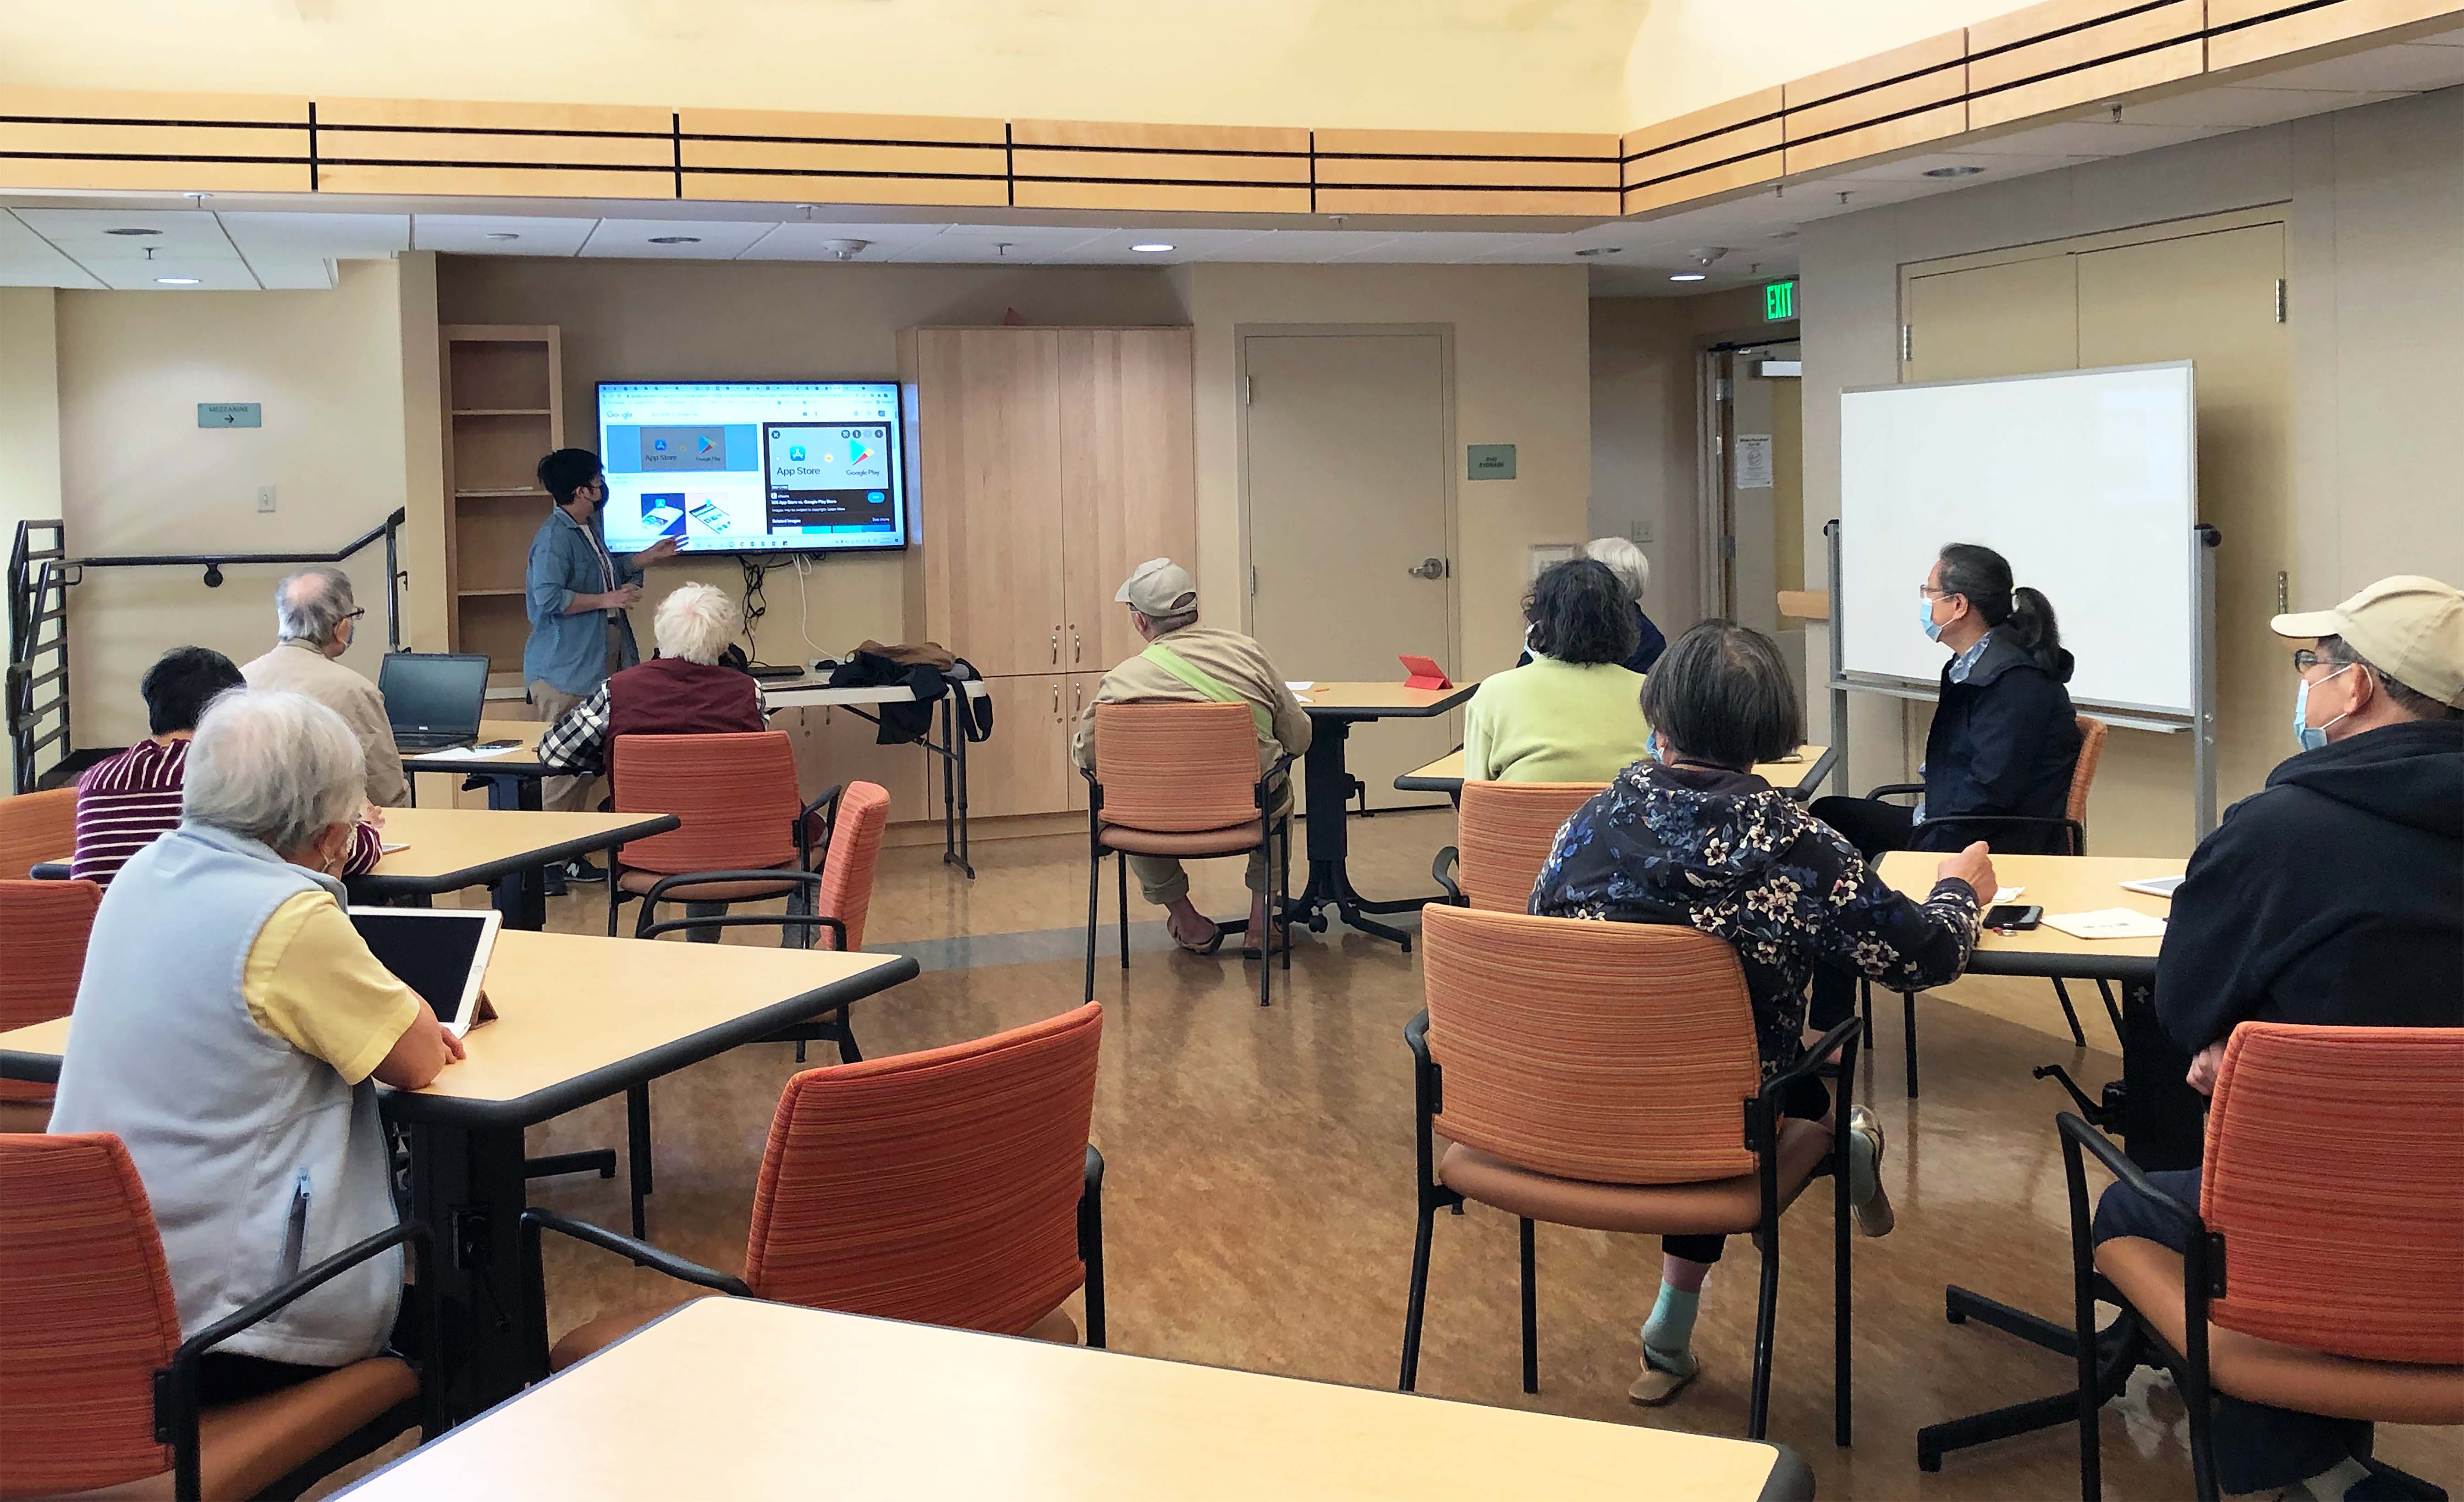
{"x":521,"y":897}
{"x":955,"y":851}
{"x":467,"y":1184}
{"x":2161,"y":1121}
{"x":1327,"y":793}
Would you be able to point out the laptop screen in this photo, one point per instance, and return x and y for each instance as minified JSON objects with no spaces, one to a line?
{"x":433,"y":693}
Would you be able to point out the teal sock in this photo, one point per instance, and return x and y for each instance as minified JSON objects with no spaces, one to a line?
{"x":1863,"y":1178}
{"x":1670,"y":1331}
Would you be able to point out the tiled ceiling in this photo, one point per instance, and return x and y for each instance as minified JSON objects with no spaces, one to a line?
{"x":278,"y":242}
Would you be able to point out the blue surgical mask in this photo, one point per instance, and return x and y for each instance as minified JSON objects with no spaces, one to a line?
{"x":2313,"y":736}
{"x":1651,"y":746}
{"x":1924,"y":618}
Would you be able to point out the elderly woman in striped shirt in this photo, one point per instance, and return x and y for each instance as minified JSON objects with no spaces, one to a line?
{"x":126,"y":801}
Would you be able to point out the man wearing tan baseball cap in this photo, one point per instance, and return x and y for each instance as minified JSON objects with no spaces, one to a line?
{"x":2333,"y":896}
{"x":1189,"y":662}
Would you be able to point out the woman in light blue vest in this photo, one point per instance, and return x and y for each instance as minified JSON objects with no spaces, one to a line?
{"x":230,"y":1029}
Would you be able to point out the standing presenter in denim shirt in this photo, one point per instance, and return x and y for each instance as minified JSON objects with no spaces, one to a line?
{"x":577,"y":595}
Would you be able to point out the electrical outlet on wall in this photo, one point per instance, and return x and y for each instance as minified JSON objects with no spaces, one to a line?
{"x":1642,"y":532}
{"x":265,"y":498}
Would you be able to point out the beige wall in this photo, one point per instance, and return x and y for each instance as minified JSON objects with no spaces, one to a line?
{"x":1644,"y":469}
{"x":1520,"y":377}
{"x":1425,"y":64}
{"x":139,"y":475}
{"x":2375,"y":211}
{"x":29,"y":435}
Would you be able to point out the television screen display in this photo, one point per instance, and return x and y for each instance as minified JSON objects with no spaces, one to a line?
{"x":753,"y":467}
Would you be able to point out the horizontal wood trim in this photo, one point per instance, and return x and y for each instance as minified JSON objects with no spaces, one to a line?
{"x":337,"y":146}
{"x":1109,"y":136}
{"x":496,"y":182}
{"x":1029,"y":164}
{"x":1465,"y":144}
{"x":155,"y":175}
{"x":1892,"y":99}
{"x":991,"y":192}
{"x":2067,"y":33}
{"x":461,"y":115}
{"x":157,"y":141}
{"x":1745,"y":111}
{"x":2088,"y":85}
{"x":1871,"y":140}
{"x":874,"y":129}
{"x":2234,"y":43}
{"x":1466,"y":201}
{"x":1753,"y":171}
{"x":787,"y":158}
{"x":1475,"y":172}
{"x":154,"y":109}
{"x":1194,"y":197}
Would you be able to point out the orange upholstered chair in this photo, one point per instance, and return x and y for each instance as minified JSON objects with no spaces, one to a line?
{"x":740,"y":818}
{"x":47,"y":923}
{"x":2326,"y":1248}
{"x":834,"y":900}
{"x":1504,"y":831}
{"x":953,"y":1187}
{"x":96,"y":1388}
{"x":36,"y":827}
{"x":1181,"y":779}
{"x":1596,"y":1075}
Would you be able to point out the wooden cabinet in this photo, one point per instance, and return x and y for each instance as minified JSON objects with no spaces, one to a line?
{"x":1081,"y":692}
{"x":834,"y":745}
{"x":1047,"y":464}
{"x":504,"y":401}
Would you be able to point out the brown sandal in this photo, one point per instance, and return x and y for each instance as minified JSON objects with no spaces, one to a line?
{"x":1214,"y":937}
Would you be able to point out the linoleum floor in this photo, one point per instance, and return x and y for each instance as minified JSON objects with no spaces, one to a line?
{"x":1258,"y":1201}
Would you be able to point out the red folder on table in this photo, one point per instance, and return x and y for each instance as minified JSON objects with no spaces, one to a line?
{"x":1424,"y":673}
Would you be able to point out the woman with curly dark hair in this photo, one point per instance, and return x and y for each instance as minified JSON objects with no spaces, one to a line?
{"x":1574,"y":712}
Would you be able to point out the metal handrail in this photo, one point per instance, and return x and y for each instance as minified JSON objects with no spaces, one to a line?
{"x":390,"y":529}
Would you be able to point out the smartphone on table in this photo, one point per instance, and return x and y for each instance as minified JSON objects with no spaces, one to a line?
{"x":2014,"y":917}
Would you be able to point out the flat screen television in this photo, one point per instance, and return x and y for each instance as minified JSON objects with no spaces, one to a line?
{"x":753,"y":467}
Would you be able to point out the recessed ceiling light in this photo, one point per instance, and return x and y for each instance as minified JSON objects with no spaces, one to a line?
{"x":676,"y":239}
{"x":1150,"y":248}
{"x":501,"y":234}
{"x":177,"y":281}
{"x":132,"y":232}
{"x":1962,"y":170}
{"x":1599,"y":250}
{"x":1686,"y":276}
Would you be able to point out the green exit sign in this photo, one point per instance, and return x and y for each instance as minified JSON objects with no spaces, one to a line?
{"x":1779,"y":301}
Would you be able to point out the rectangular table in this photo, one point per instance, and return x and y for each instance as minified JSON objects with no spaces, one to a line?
{"x":1799,"y":778}
{"x":814,"y":691}
{"x":1333,"y":709}
{"x":2161,"y":1121}
{"x":731,"y":1398}
{"x":579,"y":1018}
{"x":513,"y":777}
{"x":448,"y":850}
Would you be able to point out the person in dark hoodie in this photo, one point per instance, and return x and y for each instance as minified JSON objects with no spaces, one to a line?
{"x":2334,"y":897}
{"x":1690,"y":835}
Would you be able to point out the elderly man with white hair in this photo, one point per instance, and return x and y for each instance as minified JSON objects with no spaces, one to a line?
{"x":683,"y":691}
{"x":229,"y":1026}
{"x":316,"y":620}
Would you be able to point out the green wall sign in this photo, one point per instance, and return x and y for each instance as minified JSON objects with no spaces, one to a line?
{"x":1779,"y":301}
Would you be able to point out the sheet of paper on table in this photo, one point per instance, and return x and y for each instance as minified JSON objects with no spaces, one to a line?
{"x":2002,"y":895}
{"x":1300,"y":687}
{"x":2108,"y":923}
{"x":389,"y":847}
{"x":465,"y":753}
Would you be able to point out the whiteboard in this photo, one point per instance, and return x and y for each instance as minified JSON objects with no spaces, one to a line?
{"x":2086,"y":480}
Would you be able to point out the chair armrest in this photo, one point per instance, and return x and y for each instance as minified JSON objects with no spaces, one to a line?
{"x":640,"y":1253}
{"x":1428,"y":1101}
{"x":2203,"y":1251}
{"x":1763,"y":1113}
{"x":1895,"y":790}
{"x":659,"y":889}
{"x":175,"y":1386}
{"x":1277,"y":772}
{"x":2076,"y":832}
{"x":1442,"y":872}
{"x":2078,"y":1134}
{"x":836,"y":926}
{"x":826,"y":804}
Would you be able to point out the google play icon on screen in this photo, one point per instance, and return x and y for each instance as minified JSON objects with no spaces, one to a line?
{"x":787,"y":466}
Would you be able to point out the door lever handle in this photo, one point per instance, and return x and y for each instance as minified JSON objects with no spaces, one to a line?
{"x":1430,"y":568}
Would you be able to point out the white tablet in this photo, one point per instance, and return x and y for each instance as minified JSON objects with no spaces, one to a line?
{"x":440,"y":953}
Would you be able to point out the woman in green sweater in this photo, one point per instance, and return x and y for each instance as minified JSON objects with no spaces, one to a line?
{"x":1572,"y":714}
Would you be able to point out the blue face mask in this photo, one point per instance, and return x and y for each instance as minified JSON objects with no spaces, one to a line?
{"x":1924,"y":618}
{"x":2313,"y":736}
{"x":1651,"y":746}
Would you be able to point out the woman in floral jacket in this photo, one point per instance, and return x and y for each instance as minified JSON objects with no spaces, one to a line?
{"x":1690,"y":835}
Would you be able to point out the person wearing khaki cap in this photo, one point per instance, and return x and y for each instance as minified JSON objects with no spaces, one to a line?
{"x":2334,"y":897}
{"x":1187,"y":662}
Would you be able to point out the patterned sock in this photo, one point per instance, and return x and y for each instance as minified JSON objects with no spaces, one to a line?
{"x":1670,"y":1331}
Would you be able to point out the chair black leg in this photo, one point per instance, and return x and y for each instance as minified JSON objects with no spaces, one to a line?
{"x":1865,"y":994}
{"x":1282,"y":924}
{"x":2203,"y":1441}
{"x":1090,"y":1252}
{"x":2112,"y":1008}
{"x":637,"y":1144}
{"x":1765,"y":1322}
{"x":1094,"y":888}
{"x":1531,"y":1314}
{"x":1841,"y":1390}
{"x":1418,"y":1303}
{"x":1124,"y":863}
{"x":1908,"y":1009}
{"x":2079,"y":1039}
{"x":1265,"y":934}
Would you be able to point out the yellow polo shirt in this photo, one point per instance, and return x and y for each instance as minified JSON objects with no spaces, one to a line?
{"x":310,"y":982}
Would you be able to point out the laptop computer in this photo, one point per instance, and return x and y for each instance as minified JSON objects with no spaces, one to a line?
{"x":434,"y":698}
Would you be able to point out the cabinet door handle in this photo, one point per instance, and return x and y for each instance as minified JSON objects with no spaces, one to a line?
{"x":1056,"y":703}
{"x":1056,"y":646}
{"x":1077,"y":652}
{"x":1078,"y":698}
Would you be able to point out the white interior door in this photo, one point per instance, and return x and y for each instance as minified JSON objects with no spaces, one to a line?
{"x":1345,"y":452}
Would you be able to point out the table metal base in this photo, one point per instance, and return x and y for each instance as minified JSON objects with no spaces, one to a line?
{"x":1327,"y":789}
{"x":467,"y":1184}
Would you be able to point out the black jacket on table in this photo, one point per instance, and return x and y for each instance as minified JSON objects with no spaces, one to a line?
{"x":2003,"y":743}
{"x":2335,"y":896}
{"x":1722,"y":852}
